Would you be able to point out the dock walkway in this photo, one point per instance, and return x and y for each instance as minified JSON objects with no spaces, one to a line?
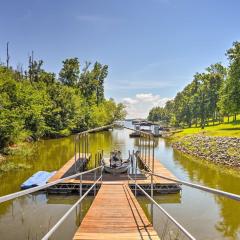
{"x":115,"y":214}
{"x":144,"y":180}
{"x":158,"y":169}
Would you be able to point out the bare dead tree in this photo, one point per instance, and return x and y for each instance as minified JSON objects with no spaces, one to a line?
{"x":30,"y":66}
{"x":8,"y":56}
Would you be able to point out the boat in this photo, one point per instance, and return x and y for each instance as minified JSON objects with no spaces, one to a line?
{"x":115,"y":164}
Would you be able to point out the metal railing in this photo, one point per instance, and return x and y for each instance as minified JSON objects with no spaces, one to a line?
{"x":171,"y":229}
{"x":63,"y":218}
{"x":35,"y":189}
{"x":197,"y":186}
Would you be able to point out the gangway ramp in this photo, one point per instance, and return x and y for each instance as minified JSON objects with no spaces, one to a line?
{"x":115,"y":214}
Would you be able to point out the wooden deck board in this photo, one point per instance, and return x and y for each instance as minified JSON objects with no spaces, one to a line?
{"x":159,"y":169}
{"x":60,"y":173}
{"x":108,"y":178}
{"x":115,"y":214}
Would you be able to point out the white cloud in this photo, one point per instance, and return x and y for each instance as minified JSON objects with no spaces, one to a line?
{"x":140,"y":105}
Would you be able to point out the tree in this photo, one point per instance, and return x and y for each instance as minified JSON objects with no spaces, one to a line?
{"x":215,"y":78}
{"x":69,"y":74}
{"x":91,"y":82}
{"x":37,"y":105}
{"x":157,"y":114}
{"x":232,"y":86}
{"x":100,"y":72}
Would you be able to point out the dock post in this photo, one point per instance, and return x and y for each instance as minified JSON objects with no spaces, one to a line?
{"x":82,"y":146}
{"x":145,"y":150}
{"x":101,"y":175}
{"x":96,"y":157}
{"x":80,"y":186}
{"x":140,"y":145}
{"x":152,"y":171}
{"x":135,"y":176}
{"x":94,"y":182}
{"x":149,"y":150}
{"x":75,"y":154}
{"x":100,"y":158}
{"x":128,"y":176}
{"x":87,"y":143}
{"x":79,"y":148}
{"x":85,"y":139}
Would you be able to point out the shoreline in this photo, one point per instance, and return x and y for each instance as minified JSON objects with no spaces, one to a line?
{"x":218,"y":150}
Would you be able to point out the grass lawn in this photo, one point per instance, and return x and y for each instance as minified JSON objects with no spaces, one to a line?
{"x":225,"y":129}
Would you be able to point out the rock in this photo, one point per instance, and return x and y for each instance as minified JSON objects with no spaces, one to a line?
{"x":222,"y":150}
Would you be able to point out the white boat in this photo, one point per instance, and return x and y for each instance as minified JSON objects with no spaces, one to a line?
{"x":115,"y":164}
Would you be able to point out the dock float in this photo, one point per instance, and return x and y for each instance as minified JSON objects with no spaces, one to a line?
{"x":115,"y":214}
{"x":160,"y":185}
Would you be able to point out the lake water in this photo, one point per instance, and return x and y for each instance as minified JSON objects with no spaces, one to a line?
{"x":204,"y":215}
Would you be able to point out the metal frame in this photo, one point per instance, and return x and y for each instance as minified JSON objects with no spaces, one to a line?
{"x":61,"y":220}
{"x":179,"y":226}
{"x":197,"y":186}
{"x":35,"y":189}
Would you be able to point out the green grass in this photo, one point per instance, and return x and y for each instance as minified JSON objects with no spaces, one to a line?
{"x":226,"y":129}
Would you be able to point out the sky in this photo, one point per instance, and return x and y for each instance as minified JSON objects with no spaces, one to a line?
{"x":152,"y":47}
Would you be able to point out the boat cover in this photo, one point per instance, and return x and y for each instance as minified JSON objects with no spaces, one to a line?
{"x":37,"y":179}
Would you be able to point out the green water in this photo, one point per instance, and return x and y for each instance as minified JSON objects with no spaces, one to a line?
{"x":206,"y":216}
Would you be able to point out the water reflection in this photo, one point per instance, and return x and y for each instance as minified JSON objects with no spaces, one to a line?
{"x":206,"y":216}
{"x":30,"y":217}
{"x":217,"y":177}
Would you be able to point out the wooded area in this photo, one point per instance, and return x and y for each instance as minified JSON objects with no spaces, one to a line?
{"x":210,"y":96}
{"x":35,"y":103}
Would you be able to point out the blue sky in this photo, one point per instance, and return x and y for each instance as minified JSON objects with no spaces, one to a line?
{"x":152,"y":47}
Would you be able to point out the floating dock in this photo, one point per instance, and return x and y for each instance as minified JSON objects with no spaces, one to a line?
{"x":70,"y":167}
{"x":160,"y":185}
{"x":137,"y":134}
{"x":115,"y":214}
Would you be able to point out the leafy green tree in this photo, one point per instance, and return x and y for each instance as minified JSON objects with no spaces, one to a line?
{"x":69,"y":74}
{"x":157,"y":114}
{"x":37,"y":105}
{"x":91,"y":82}
{"x":100,"y":72}
{"x":233,"y":80}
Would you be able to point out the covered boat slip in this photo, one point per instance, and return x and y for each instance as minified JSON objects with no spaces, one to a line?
{"x":115,"y":214}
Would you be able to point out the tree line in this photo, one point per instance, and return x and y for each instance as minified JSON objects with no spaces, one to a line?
{"x":35,"y":103}
{"x":211,"y":96}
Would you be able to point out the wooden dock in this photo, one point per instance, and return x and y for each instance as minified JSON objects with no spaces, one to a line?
{"x":115,"y":214}
{"x":160,"y":185}
{"x":158,"y":169}
{"x":69,"y":167}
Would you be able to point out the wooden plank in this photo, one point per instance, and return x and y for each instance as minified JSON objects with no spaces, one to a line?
{"x":115,"y":214}
{"x":60,"y":173}
{"x":158,"y":169}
